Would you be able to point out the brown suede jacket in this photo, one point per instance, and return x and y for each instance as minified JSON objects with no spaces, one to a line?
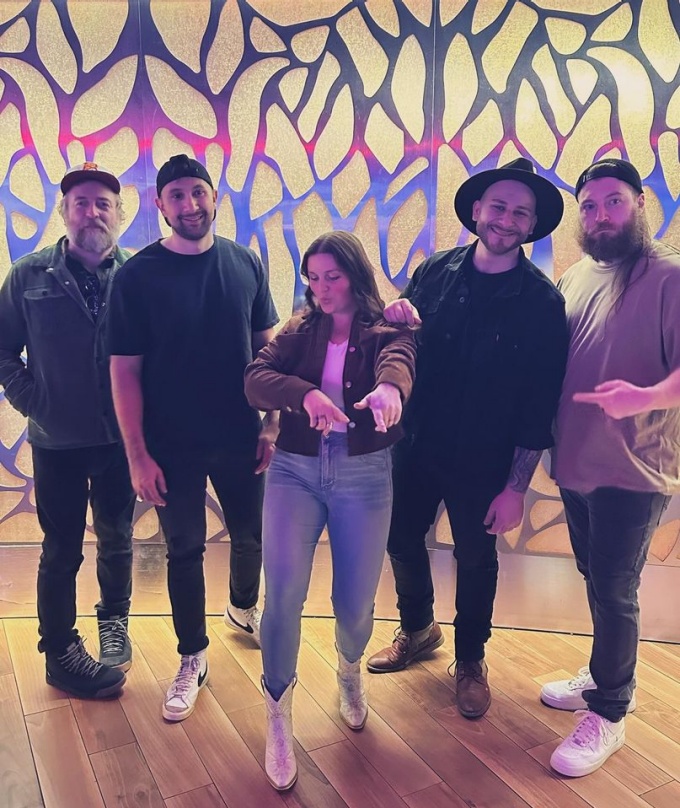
{"x":291,"y":365}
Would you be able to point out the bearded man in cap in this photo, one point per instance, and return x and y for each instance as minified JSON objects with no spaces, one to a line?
{"x":491,"y":357}
{"x":188,"y":314}
{"x":617,"y":451}
{"x":54,"y":303}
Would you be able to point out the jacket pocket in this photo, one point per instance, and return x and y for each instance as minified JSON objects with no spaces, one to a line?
{"x":48,"y":310}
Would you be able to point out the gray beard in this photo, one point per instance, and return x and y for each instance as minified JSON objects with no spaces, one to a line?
{"x":95,"y":240}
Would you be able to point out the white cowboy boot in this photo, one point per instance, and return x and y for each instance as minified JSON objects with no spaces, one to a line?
{"x":353,"y":705}
{"x":279,"y":761}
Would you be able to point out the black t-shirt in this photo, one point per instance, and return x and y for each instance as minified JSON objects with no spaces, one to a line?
{"x":191,"y":317}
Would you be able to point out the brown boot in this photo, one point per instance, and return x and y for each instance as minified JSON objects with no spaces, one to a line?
{"x":472,"y":689}
{"x":404,"y":650}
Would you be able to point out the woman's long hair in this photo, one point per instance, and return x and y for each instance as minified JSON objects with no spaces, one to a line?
{"x":351,"y":258}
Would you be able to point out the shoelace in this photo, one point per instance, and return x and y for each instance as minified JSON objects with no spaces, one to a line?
{"x":588,"y":728}
{"x":582,"y":678}
{"x":188,"y":669}
{"x":112,"y":635}
{"x":467,"y":670}
{"x":254,"y":617}
{"x":401,"y":639}
{"x":77,"y":660}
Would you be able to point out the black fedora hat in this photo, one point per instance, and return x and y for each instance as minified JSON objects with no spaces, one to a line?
{"x":549,"y":202}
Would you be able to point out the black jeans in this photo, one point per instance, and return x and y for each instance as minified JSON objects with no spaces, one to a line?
{"x":420,"y":485}
{"x":239,"y":491}
{"x":610,"y":531}
{"x":65,"y":480}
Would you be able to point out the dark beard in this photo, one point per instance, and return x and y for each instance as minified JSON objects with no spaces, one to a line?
{"x":615,"y":245}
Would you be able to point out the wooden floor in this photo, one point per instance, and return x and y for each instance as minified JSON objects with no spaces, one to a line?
{"x":415,"y":751}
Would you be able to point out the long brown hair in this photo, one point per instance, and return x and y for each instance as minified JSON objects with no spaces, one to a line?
{"x":351,"y":258}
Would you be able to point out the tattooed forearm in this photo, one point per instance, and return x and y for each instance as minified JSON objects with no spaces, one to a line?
{"x":524,"y":464}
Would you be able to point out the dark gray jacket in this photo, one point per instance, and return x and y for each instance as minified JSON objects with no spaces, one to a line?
{"x":64,"y":387}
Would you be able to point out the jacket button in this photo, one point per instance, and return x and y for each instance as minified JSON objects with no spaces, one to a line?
{"x":351,"y":424}
{"x":289,"y":409}
{"x":461,"y":300}
{"x":348,"y":385}
{"x":351,"y":349}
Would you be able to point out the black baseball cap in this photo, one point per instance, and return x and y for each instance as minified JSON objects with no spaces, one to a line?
{"x":610,"y":167}
{"x":178,"y":166}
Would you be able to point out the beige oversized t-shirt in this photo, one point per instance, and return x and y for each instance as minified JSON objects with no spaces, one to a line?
{"x":638,"y":341}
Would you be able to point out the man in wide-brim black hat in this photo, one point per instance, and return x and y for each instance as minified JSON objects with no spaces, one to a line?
{"x":491,"y":358}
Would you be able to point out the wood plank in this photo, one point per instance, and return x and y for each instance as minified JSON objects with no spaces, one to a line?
{"x":554,"y":648}
{"x":662,"y":717}
{"x":443,"y":753}
{"x":157,"y":641}
{"x":124,"y":778}
{"x":162,"y":743}
{"x":598,"y":789}
{"x":667,"y":796}
{"x":378,"y":743}
{"x":312,"y":788}
{"x":5,"y":660}
{"x":235,"y":772}
{"x":18,"y":779}
{"x":29,"y":668}
{"x":64,"y":769}
{"x":228,"y":682}
{"x":353,"y":777}
{"x":517,"y":769}
{"x":653,"y":745}
{"x":206,"y":797}
{"x":439,"y":796}
{"x":660,"y":657}
{"x":102,"y":723}
{"x":512,"y":720}
{"x":525,"y":657}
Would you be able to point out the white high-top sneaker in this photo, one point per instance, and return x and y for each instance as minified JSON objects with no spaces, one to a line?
{"x":180,"y":699}
{"x":353,"y":706}
{"x":246,"y":620}
{"x":279,"y":760}
{"x":567,"y":694}
{"x":589,"y":745}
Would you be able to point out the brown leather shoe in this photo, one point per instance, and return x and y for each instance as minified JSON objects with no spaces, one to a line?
{"x":472,"y":689}
{"x":404,"y":650}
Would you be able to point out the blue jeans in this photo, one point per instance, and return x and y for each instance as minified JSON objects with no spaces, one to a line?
{"x":610,"y":531}
{"x":353,"y":496}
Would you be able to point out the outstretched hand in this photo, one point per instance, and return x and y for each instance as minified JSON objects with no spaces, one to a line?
{"x":385,"y":404}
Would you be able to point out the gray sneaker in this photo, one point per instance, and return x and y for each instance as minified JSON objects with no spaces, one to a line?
{"x":114,"y":644}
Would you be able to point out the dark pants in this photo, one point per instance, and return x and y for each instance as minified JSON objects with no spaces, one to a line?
{"x":420,"y":485}
{"x":610,"y":531}
{"x":239,"y":491}
{"x":65,"y":480}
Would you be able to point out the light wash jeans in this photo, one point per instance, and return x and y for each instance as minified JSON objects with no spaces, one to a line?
{"x":353,"y":496}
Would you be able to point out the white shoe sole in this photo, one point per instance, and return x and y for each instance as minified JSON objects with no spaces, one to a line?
{"x":570,"y":768}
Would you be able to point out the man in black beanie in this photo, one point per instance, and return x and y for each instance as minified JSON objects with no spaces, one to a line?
{"x":617,"y":441}
{"x":187,"y":316}
{"x":491,"y":357}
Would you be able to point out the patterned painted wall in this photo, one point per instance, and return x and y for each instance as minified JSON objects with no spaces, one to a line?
{"x":319,"y":114}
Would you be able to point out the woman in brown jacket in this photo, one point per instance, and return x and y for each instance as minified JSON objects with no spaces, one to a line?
{"x":340,"y":375}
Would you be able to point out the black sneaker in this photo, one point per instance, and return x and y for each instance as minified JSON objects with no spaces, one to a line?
{"x":78,"y":674}
{"x":114,"y":644}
